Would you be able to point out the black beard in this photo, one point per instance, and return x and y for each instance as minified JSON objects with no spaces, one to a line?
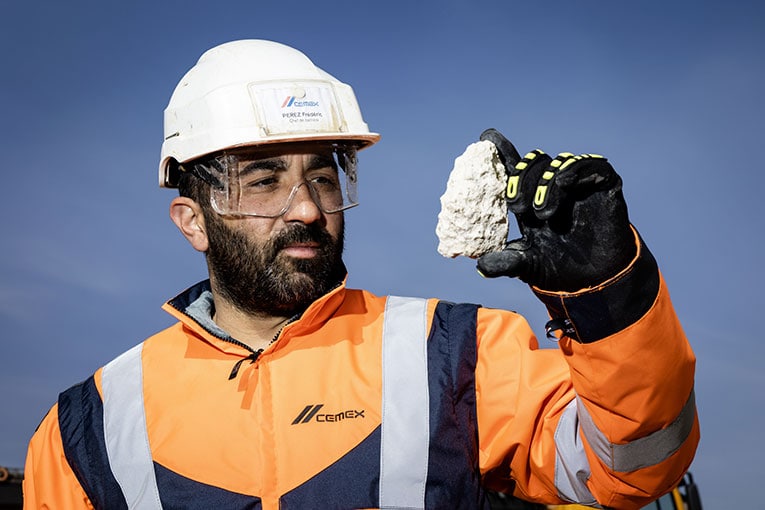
{"x":257,"y":280}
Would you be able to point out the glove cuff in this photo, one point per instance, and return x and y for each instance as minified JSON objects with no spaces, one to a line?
{"x":594,"y":313}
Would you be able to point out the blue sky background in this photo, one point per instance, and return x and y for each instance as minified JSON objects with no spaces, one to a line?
{"x":671,"y":92}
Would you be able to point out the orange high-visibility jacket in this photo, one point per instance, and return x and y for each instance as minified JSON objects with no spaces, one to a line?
{"x":374,"y":402}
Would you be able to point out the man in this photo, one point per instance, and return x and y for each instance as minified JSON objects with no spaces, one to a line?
{"x":281,"y":388}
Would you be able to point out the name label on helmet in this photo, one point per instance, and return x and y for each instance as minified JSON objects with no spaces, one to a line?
{"x":296,"y":108}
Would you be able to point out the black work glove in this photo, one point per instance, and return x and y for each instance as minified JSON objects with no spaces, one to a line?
{"x":575,"y":232}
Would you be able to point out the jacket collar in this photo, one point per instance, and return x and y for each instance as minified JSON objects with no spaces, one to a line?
{"x":194,"y":307}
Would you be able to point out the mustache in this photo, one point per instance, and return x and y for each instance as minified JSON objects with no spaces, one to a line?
{"x":300,"y":233}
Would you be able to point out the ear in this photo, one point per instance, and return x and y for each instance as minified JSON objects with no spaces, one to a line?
{"x":187,"y":216}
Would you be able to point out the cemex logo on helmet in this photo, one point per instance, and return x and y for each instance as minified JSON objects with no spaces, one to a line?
{"x":294,"y":102}
{"x":311,"y":413}
{"x":300,"y":110}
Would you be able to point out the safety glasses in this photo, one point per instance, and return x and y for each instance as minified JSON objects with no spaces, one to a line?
{"x":264,"y":183}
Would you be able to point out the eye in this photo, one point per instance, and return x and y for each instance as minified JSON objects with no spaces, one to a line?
{"x":325,"y":184}
{"x":265,"y":181}
{"x":325,"y":180}
{"x":261,"y":183}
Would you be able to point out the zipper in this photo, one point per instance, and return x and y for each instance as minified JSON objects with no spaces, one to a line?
{"x":256,"y":354}
{"x":252,"y":357}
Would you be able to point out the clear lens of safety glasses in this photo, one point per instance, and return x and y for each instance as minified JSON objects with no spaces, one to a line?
{"x":254,"y":183}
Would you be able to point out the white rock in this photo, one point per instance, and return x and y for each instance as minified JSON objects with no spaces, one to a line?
{"x":473,"y":218}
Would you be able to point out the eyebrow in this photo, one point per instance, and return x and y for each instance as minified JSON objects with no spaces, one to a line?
{"x":321,"y":161}
{"x":273,"y":164}
{"x":278,"y":164}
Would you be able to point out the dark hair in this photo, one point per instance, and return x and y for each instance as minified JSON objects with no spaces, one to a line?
{"x":191,"y":186}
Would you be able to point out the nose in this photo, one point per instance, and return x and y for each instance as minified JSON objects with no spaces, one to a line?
{"x":302,"y":206}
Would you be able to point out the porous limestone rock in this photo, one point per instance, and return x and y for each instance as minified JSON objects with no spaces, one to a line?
{"x":473,"y":218}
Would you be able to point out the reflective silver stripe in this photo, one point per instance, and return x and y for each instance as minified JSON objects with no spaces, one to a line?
{"x":572,"y":469}
{"x":127,"y":441}
{"x":646,"y":451}
{"x":405,"y":417}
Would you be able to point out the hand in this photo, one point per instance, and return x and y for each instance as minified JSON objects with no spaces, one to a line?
{"x":575,"y":231}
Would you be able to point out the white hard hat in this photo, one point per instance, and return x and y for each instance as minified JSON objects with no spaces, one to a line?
{"x":254,"y":92}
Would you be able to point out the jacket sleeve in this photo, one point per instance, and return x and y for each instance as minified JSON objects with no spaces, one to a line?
{"x":609,"y":418}
{"x":49,"y":481}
